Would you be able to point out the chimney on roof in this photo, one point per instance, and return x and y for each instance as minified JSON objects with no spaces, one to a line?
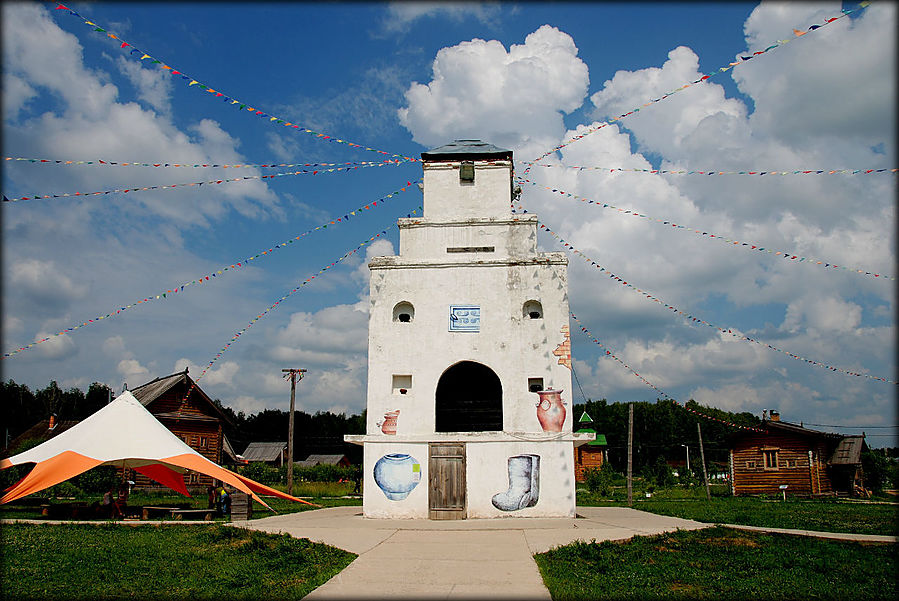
{"x":775,"y":415}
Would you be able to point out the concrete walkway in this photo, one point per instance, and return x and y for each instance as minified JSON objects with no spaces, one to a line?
{"x":866,"y":538}
{"x":479,"y":558}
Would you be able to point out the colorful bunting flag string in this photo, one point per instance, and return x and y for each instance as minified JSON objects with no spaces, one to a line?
{"x":214,"y":274}
{"x":715,"y":172}
{"x":743,"y":59}
{"x":207,"y":183}
{"x":653,"y":386}
{"x":208,"y":165}
{"x":691,"y":319}
{"x":216,"y":94}
{"x":734,"y":243}
{"x":234,"y":338}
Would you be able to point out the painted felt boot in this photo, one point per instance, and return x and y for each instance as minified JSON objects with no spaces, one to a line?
{"x":519,"y":493}
{"x":535,"y":480}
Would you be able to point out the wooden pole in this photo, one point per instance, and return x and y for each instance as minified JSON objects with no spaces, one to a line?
{"x":705,"y":474}
{"x":630,"y":455}
{"x":293,"y":392}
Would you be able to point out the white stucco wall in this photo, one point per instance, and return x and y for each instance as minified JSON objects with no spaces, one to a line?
{"x":448,"y":199}
{"x":375,"y":503}
{"x":513,"y":236}
{"x":469,"y":249}
{"x":513,"y":346}
{"x":487,"y":474}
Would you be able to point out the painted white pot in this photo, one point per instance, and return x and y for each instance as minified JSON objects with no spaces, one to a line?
{"x":397,"y":474}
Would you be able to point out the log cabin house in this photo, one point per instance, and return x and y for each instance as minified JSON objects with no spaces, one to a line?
{"x":808,"y":462}
{"x":196,"y":420}
{"x":590,"y":455}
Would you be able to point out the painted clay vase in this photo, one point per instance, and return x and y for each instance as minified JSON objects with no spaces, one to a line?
{"x":388,"y":425}
{"x":397,"y":474}
{"x":551,"y":410}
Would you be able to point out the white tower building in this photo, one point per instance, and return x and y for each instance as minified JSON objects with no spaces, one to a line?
{"x":466,"y":325}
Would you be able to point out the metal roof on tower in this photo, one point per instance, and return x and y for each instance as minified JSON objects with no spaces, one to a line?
{"x":466,"y":149}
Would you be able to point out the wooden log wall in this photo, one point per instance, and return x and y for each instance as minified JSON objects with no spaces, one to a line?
{"x":585,"y":458}
{"x":205,"y":437}
{"x":801,"y":465}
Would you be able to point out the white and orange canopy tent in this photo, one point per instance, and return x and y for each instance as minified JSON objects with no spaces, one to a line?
{"x":125,"y":435}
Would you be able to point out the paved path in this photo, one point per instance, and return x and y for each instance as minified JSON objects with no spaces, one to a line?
{"x":868,"y":538}
{"x":479,"y":558}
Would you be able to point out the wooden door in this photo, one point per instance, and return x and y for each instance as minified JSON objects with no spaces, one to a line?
{"x":446,"y":481}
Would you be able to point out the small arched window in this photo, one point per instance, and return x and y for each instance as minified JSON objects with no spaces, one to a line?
{"x":533,"y":310}
{"x":404,"y":312}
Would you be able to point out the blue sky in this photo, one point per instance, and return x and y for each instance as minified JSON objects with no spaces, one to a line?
{"x":409,"y":76}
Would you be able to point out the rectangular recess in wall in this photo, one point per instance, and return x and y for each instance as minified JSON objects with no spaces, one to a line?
{"x":535,"y":384}
{"x":471,"y":249}
{"x":402,"y":384}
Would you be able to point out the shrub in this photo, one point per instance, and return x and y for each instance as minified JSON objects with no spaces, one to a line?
{"x":876,"y":468}
{"x":687,"y":479}
{"x":100,"y":479}
{"x":263,"y":473}
{"x":326,"y":473}
{"x":63,"y":489}
{"x":659,"y":473}
{"x":599,"y":481}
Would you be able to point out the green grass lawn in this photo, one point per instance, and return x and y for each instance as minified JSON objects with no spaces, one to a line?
{"x":108,"y":561}
{"x":828,"y":515}
{"x":721,"y":563}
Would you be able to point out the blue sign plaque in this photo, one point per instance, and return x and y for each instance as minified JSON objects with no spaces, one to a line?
{"x":464,"y":318}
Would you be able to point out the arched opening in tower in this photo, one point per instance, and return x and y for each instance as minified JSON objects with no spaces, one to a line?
{"x":469,"y":399}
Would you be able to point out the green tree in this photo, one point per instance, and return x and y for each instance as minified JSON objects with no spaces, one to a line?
{"x":876,"y":468}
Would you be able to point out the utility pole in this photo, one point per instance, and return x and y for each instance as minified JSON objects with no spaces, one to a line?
{"x":292,"y":373}
{"x":705,"y":474}
{"x":630,"y":455}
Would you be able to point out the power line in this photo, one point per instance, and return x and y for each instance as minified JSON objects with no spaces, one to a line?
{"x":578,"y":383}
{"x":838,"y":426}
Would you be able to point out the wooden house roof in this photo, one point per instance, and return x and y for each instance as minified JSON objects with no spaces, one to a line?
{"x":846,"y":449}
{"x":600,"y":439}
{"x":154,"y":389}
{"x":325,"y":459}
{"x":849,"y":451}
{"x":41,"y":432}
{"x":264,"y":451}
{"x":787,"y":427}
{"x":228,"y":449}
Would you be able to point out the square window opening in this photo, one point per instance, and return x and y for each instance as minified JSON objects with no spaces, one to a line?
{"x":402,"y":384}
{"x":535,"y":384}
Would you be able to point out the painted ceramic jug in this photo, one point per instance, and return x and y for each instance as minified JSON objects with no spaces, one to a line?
{"x":551,"y":410}
{"x":388,"y":424}
{"x":397,"y":474}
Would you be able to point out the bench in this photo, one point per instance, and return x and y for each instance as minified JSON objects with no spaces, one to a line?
{"x":148,"y":511}
{"x":66,"y":510}
{"x":204,"y":514}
